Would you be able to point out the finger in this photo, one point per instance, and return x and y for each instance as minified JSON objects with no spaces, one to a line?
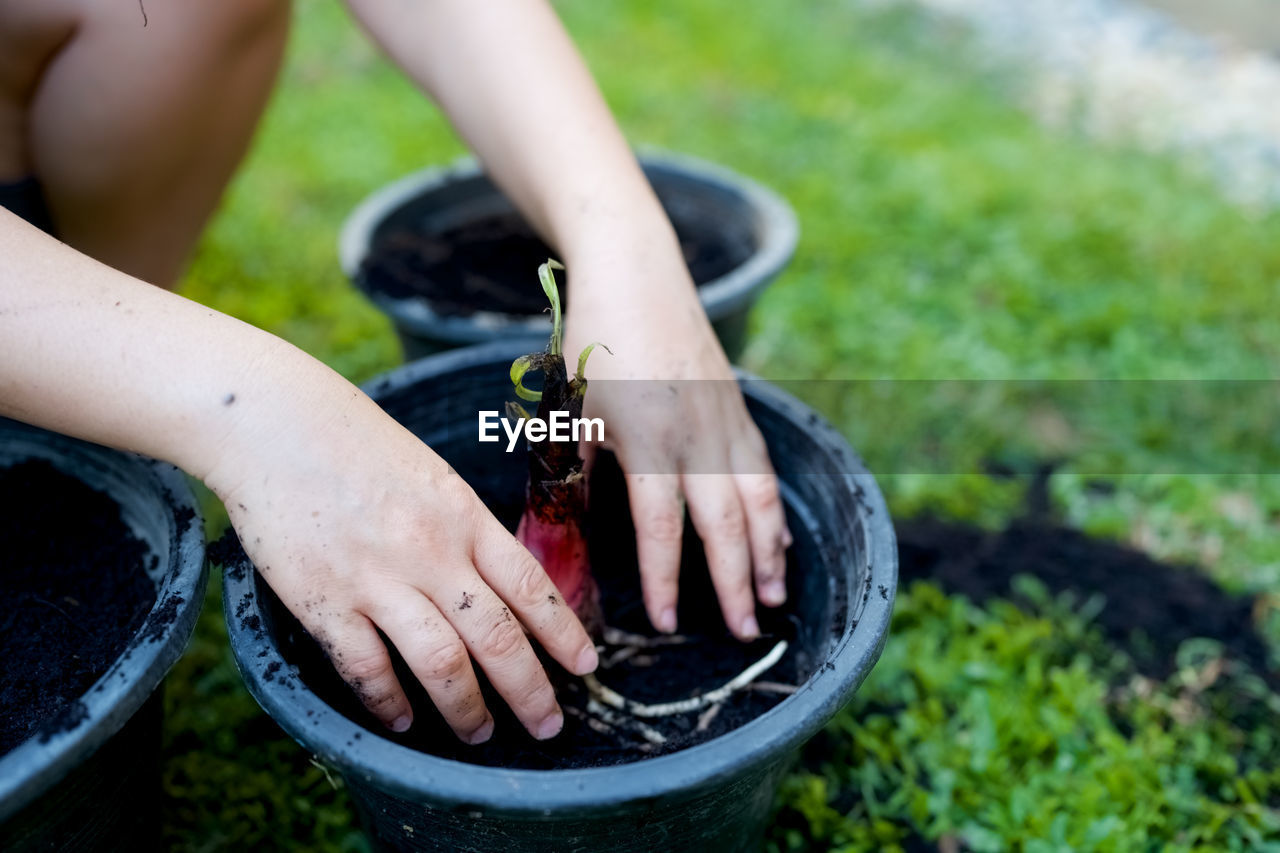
{"x":717,"y":515}
{"x":658,"y":511}
{"x":766,"y":534}
{"x":439,"y":660}
{"x":589,"y":446}
{"x":588,"y":451}
{"x":493,"y":636}
{"x":360,"y":657}
{"x":512,"y":572}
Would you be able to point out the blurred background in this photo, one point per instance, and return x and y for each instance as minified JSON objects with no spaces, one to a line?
{"x":1086,"y":647}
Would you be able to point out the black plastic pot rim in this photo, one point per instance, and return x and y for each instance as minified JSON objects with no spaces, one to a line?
{"x":721,"y":297}
{"x":459,"y":786}
{"x":35,"y":766}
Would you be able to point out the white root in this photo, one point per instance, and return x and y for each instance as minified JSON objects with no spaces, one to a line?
{"x":704,"y":721}
{"x":628,"y":647}
{"x":772,"y":687}
{"x":618,"y":657}
{"x":618,"y":637}
{"x":608,"y":717}
{"x":615,"y":700}
{"x":594,"y":724}
{"x":599,"y":726}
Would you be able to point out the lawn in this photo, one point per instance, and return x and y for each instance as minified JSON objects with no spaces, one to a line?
{"x":944,"y":237}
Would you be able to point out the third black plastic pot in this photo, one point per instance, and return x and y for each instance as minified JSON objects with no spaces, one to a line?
{"x":735,"y":218}
{"x":89,"y":779}
{"x":716,"y":795}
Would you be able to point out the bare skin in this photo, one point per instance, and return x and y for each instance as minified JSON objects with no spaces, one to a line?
{"x":134,"y":132}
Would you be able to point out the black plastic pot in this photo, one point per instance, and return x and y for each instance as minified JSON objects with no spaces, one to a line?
{"x":96,"y":785}
{"x":752,"y":221}
{"x":714,"y":796}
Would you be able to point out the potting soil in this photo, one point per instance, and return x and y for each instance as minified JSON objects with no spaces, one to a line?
{"x":74,"y":589}
{"x":489,"y":264}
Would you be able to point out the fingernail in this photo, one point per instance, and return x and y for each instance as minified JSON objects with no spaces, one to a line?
{"x":482,"y":734}
{"x":551,"y":726}
{"x":774,"y":593}
{"x":667,"y":621}
{"x":587,"y":661}
{"x":401,"y":723}
{"x":750,"y":628}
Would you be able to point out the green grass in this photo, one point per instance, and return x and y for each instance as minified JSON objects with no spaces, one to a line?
{"x":1004,"y":726}
{"x":944,"y":236}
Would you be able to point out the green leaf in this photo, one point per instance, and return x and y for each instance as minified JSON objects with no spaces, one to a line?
{"x":519,"y":368}
{"x":548,"y":279}
{"x":582,"y":362}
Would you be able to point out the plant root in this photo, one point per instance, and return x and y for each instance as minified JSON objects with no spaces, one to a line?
{"x":605,"y":696}
{"x":618,"y":637}
{"x":705,"y":719}
{"x":627,"y":646}
{"x":611,"y":718}
{"x":772,"y":687}
{"x":594,"y":723}
{"x":609,"y":712}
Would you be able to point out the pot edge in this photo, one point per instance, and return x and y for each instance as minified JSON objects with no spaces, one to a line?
{"x":720,"y":297}
{"x":25,"y":772}
{"x":466,"y":787}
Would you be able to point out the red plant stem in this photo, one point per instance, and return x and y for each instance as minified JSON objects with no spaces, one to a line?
{"x":555,"y":510}
{"x":558,"y":543}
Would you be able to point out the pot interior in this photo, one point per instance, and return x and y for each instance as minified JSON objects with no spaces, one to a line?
{"x":136,"y":639}
{"x":461,"y":245}
{"x":442,"y":411}
{"x":100,"y":470}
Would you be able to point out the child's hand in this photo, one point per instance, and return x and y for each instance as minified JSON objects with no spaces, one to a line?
{"x":360,"y":528}
{"x":680,"y":441}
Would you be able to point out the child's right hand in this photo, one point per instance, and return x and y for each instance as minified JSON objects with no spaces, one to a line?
{"x":359,"y":527}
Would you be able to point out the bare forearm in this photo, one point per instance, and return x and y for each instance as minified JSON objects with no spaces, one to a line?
{"x":285,"y":442}
{"x":515,"y":87}
{"x":92,"y":352}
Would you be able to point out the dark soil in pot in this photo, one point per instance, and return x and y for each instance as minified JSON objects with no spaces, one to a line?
{"x":101,"y":575}
{"x":74,"y":592}
{"x":485,"y":264}
{"x":715,"y":795}
{"x":660,"y":674}
{"x":453,"y":263}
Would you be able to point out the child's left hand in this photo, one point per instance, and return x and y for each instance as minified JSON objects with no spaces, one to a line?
{"x":685,"y":440}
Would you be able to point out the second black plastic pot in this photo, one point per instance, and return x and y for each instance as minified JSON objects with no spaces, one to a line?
{"x":745,"y":218}
{"x":713,"y":796}
{"x":95,"y":785}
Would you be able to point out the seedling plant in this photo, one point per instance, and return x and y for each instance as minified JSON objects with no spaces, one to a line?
{"x":552,"y":527}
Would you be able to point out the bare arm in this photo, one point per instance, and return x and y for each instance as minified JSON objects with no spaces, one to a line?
{"x":355,"y":523}
{"x":511,"y":81}
{"x":91,"y":352}
{"x":516,"y":89}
